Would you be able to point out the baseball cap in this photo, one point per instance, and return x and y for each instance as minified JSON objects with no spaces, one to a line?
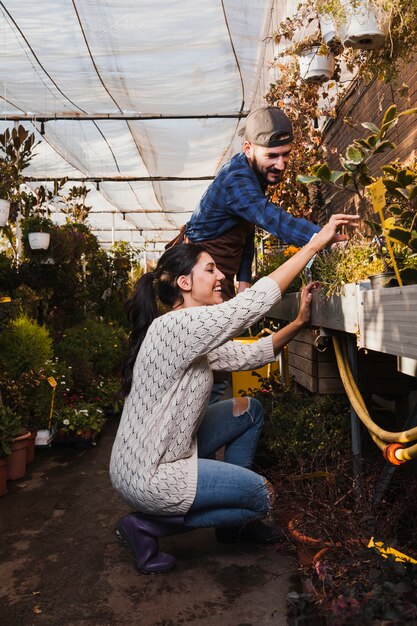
{"x":268,"y":127}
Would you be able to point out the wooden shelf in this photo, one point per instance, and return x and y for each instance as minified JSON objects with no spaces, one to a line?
{"x":383,"y":320}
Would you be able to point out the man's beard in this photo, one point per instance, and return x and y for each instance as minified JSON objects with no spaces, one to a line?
{"x":260,"y":175}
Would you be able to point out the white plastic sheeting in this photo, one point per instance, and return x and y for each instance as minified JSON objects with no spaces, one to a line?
{"x":98,"y":58}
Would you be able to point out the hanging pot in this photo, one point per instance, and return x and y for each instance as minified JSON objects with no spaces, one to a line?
{"x":316,"y":67}
{"x":362,"y":29}
{"x":329,"y":33}
{"x":39,"y":241}
{"x":4,"y":212}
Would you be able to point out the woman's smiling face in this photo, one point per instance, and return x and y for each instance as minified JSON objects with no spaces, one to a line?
{"x":204,"y":284}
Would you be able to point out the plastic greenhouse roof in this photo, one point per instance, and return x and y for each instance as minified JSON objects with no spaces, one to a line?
{"x":141,"y":99}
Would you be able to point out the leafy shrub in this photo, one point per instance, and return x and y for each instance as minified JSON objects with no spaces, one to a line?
{"x":24,"y":346}
{"x":93,"y":348}
{"x":302,"y":431}
{"x":30,"y":394}
{"x":10,"y":428}
{"x":80,"y":416}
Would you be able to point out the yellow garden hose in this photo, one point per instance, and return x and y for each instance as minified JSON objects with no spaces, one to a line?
{"x":395,"y":451}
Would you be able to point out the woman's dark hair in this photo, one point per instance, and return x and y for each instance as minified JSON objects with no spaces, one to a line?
{"x":142,"y":308}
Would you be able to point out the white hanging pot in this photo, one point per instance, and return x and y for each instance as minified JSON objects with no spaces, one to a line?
{"x":315,"y":67}
{"x":39,"y":241}
{"x":363,"y":29}
{"x":328,"y":31}
{"x":4,"y":212}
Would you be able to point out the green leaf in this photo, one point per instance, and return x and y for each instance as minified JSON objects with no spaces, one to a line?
{"x":406,"y":177}
{"x":400,"y":235}
{"x":323,"y":172}
{"x":390,"y":118}
{"x":336,"y":175}
{"x":384,"y":145}
{"x":355,"y":155}
{"x":306,"y":180}
{"x":372,"y":127}
{"x":409,"y":276}
{"x":390,"y":184}
{"x":388,"y":169}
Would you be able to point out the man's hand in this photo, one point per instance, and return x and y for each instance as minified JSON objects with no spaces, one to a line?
{"x":242,"y":286}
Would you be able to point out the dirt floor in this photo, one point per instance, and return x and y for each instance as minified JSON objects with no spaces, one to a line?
{"x":61,"y":564}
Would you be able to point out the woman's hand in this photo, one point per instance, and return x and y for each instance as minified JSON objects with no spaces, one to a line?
{"x":304,"y":310}
{"x":328,"y":235}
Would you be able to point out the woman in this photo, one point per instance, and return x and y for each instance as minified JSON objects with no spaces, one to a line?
{"x":160,"y":463}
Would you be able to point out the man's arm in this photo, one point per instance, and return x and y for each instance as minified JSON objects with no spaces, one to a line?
{"x":246,"y":200}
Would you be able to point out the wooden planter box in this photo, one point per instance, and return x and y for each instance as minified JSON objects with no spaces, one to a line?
{"x":313,"y":370}
{"x":384,"y":322}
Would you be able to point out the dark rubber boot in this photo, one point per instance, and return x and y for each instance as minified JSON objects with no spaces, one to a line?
{"x":140,"y":532}
{"x":253,"y":532}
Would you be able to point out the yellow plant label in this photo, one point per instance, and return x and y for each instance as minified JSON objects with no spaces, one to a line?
{"x":377,"y":191}
{"x":51,"y":380}
{"x":386,"y":550}
{"x":5,"y":299}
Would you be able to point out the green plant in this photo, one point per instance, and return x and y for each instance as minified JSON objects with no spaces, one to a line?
{"x":356,"y":176}
{"x":358,"y":260}
{"x":24,"y":346}
{"x":10,"y":427}
{"x":95,"y":347}
{"x":302,"y":431}
{"x":78,"y":417}
{"x":73,"y":204}
{"x":16,"y":147}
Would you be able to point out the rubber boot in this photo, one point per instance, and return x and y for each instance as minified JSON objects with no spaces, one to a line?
{"x":140,"y":532}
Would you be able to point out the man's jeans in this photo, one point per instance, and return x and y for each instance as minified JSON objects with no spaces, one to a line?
{"x":228,"y":492}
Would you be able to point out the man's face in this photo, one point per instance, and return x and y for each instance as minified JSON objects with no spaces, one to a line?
{"x":268,"y":163}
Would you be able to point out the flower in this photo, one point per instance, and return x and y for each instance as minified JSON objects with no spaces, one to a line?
{"x":79,"y":416}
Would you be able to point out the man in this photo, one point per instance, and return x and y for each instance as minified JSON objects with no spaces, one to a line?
{"x":225,"y":218}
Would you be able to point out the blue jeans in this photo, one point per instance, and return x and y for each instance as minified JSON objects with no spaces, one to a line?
{"x":228,"y":492}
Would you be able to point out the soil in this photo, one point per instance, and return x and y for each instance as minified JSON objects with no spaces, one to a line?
{"x":61,"y":564}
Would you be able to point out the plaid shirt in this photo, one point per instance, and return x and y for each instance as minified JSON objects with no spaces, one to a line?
{"x":236,"y":194}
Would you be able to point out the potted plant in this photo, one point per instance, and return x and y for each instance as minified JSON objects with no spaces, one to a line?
{"x":316,"y":61}
{"x":80,"y":422}
{"x":36,"y":229}
{"x":355,"y":177}
{"x":362,"y":24}
{"x":16,"y":148}
{"x":13,"y":443}
{"x":10,"y":427}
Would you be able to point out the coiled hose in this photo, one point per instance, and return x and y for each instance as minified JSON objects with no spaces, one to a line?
{"x":395,"y":451}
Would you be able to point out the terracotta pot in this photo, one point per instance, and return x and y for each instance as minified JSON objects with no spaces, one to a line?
{"x":3,"y":475}
{"x":30,"y":451}
{"x":307,"y":547}
{"x":16,"y":462}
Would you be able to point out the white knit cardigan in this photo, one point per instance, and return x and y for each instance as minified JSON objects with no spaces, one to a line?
{"x":153,"y":465}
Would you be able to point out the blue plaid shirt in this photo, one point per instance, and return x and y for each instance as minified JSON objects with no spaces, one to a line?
{"x":236,"y":194}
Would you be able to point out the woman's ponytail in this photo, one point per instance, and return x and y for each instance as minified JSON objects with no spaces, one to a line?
{"x":141,"y":311}
{"x":142,"y":308}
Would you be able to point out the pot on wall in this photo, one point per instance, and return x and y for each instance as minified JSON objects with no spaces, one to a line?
{"x":39,"y":241}
{"x":3,"y":475}
{"x":316,"y":67}
{"x":363,"y":28}
{"x":4,"y":211}
{"x":16,"y":462}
